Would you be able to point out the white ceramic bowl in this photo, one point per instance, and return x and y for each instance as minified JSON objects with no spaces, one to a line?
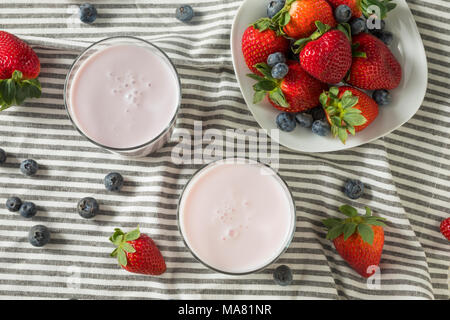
{"x":406,"y":99}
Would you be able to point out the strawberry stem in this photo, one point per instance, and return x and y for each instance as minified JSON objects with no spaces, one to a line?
{"x":15,"y":90}
{"x":120,"y":240}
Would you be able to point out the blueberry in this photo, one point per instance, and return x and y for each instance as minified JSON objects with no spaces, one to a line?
{"x":286,"y":121}
{"x":13,"y":204}
{"x":2,"y":156}
{"x":305,"y":120}
{"x":275,"y":58}
{"x":353,"y":188}
{"x":87,"y":13}
{"x":318,"y":113}
{"x":274,"y":7}
{"x":358,"y":25}
{"x":113,"y":181}
{"x":342,"y":13}
{"x":88,"y":207}
{"x":28,"y":210}
{"x":386,"y":36}
{"x":39,"y":235}
{"x":282,"y":275}
{"x":321,"y":128}
{"x":382,"y":97}
{"x":29,"y":167}
{"x":184,"y":13}
{"x":280,"y":70}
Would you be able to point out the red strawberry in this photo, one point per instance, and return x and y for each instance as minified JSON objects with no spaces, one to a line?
{"x":445,"y":228}
{"x":258,"y":44}
{"x":19,"y":68}
{"x":358,"y":239}
{"x":297,"y":18}
{"x":348,"y":110}
{"x":296,"y":92}
{"x":378,"y":70}
{"x":137,"y":252}
{"x":326,"y":55}
{"x":360,"y":7}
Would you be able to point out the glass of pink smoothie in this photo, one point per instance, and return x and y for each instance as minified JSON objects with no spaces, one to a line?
{"x":123,"y":94}
{"x":236,"y":216}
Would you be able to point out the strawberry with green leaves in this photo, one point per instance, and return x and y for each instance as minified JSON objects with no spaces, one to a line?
{"x":358,"y":239}
{"x":348,"y":110}
{"x":297,"y":19}
{"x":258,"y":42}
{"x":326,"y":54}
{"x":137,"y":252}
{"x":296,"y":92}
{"x":19,"y":69}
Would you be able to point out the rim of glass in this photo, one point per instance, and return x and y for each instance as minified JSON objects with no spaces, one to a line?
{"x":288,"y":240}
{"x":166,"y":129}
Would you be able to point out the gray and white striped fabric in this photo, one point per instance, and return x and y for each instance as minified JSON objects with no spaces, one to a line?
{"x":407,"y":172}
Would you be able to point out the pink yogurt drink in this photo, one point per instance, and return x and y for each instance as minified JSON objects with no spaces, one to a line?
{"x":124,"y":95}
{"x":236,"y":216}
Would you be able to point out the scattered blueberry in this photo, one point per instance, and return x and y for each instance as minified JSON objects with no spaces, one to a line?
{"x":87,"y":13}
{"x":282,"y":275}
{"x":13,"y":204}
{"x":274,"y":7}
{"x":275,"y":58}
{"x":321,"y":128}
{"x":39,"y":235}
{"x":386,"y":36}
{"x":382,"y":97}
{"x":286,"y":121}
{"x":342,"y":13}
{"x":113,"y":181}
{"x":318,"y":113}
{"x":88,"y":207}
{"x":353,"y":188}
{"x":29,"y":167}
{"x":358,"y":25}
{"x":305,"y":120}
{"x":2,"y":156}
{"x":184,"y":13}
{"x":28,"y":210}
{"x":280,"y":70}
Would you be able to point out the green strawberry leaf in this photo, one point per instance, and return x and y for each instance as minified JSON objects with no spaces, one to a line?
{"x":264,"y":69}
{"x":366,"y":233}
{"x":349,"y":211}
{"x":128,"y":247}
{"x":368,"y":212}
{"x":265,"y":85}
{"x":376,"y":223}
{"x":258,"y":96}
{"x":342,"y":134}
{"x":331,"y":222}
{"x":133,"y":235}
{"x":349,"y":229}
{"x":354,"y":119}
{"x":255,"y":77}
{"x":335,"y":232}
{"x":349,"y":101}
{"x":278,"y":97}
{"x":284,"y":18}
{"x":122,"y":257}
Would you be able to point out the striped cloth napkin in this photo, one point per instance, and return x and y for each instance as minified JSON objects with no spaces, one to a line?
{"x":407,"y":172}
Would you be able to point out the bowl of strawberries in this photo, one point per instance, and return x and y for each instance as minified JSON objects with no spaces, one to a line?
{"x":329,"y":74}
